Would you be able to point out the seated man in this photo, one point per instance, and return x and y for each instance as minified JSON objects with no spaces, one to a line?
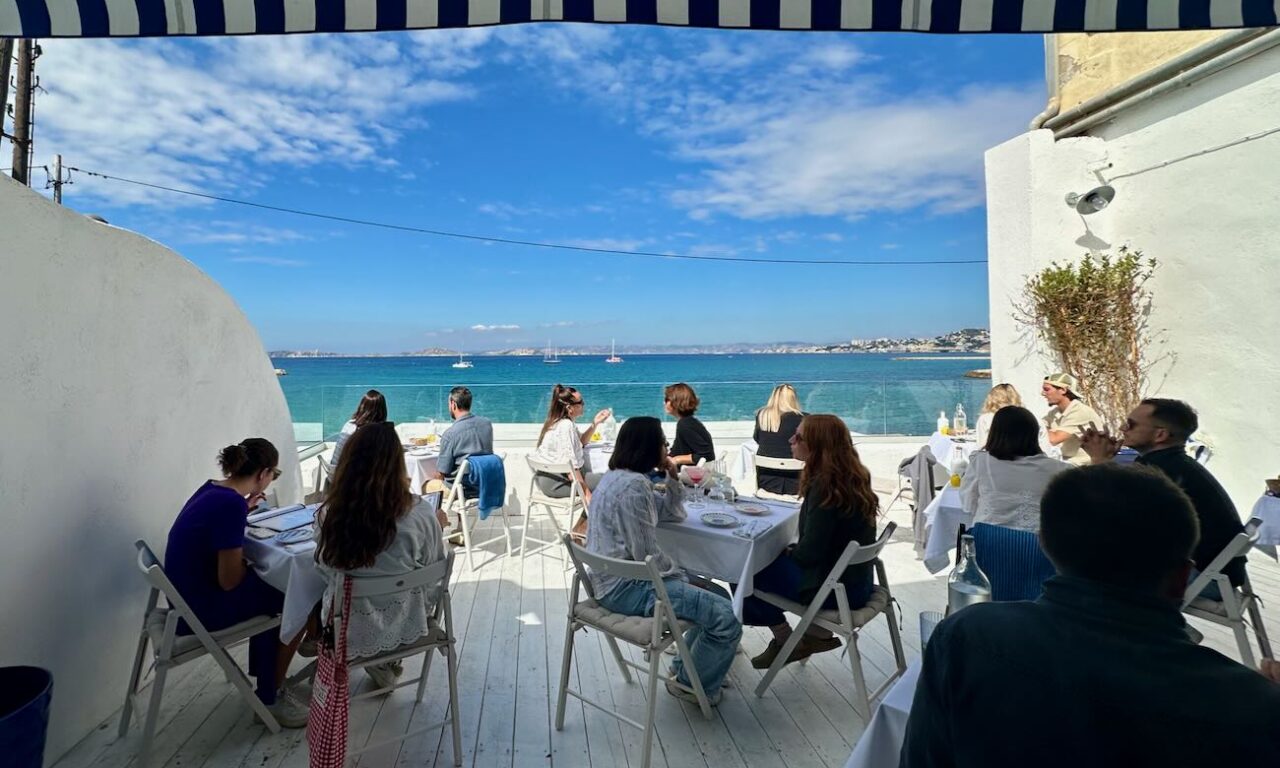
{"x":1099,"y":670}
{"x":469,"y":435}
{"x":1068,"y":417}
{"x":1158,"y":429}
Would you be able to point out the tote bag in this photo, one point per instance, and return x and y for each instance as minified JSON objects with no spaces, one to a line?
{"x":330,"y":697}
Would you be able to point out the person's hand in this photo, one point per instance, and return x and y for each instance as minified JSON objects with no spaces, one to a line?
{"x":255,"y":499}
{"x":1100,"y":446}
{"x":601,"y":417}
{"x":670,"y":468}
{"x":1271,"y":670}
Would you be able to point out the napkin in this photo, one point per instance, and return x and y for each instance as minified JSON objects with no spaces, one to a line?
{"x":260,"y":516}
{"x":752,"y":529}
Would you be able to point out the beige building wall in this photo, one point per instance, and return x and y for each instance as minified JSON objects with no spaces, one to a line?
{"x":1092,"y":63}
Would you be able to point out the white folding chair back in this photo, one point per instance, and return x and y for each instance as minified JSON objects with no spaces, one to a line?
{"x":652,"y":634}
{"x":1236,"y":601}
{"x":439,"y":638}
{"x":569,"y":506}
{"x":844,"y":621}
{"x":170,"y":650}
{"x":457,"y":503}
{"x":778,"y":465}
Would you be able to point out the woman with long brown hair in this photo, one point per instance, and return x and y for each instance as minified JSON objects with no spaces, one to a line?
{"x":561,"y":442}
{"x":839,"y":507}
{"x":371,"y":410}
{"x":371,"y":525}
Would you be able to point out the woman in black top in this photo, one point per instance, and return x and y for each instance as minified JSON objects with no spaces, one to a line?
{"x":776,"y":422}
{"x":839,"y":507}
{"x":693,"y":441}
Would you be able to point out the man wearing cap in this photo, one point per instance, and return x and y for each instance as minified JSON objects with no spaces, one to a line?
{"x":1068,"y":417}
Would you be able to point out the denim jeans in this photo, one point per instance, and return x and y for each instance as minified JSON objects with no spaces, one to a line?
{"x":782,"y":578}
{"x":711,"y":642}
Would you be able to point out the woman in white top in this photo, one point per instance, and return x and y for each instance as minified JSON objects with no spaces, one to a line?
{"x":371,"y":410}
{"x":560,"y":442}
{"x":1004,"y":482}
{"x":369,"y":526}
{"x":999,"y":396}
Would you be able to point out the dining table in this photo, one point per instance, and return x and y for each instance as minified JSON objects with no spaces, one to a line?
{"x":286,"y":561}
{"x":1267,"y":509}
{"x":943,"y":518}
{"x":420,"y":461}
{"x":944,"y":448}
{"x":881,"y":743}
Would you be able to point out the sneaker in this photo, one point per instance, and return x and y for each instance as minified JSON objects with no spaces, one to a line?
{"x":290,"y":711}
{"x":766,"y":657}
{"x":456,"y":539}
{"x":683,"y":695}
{"x":308,"y":648}
{"x":385,"y":675}
{"x":810,"y":645}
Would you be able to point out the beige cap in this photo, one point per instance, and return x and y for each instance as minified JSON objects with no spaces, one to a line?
{"x":1065,"y":381}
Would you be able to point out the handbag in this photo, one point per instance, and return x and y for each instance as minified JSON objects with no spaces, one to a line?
{"x":330,"y":697}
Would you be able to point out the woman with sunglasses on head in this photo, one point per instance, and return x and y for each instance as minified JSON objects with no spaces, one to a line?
{"x":839,"y":507}
{"x":205,"y":561}
{"x":561,"y":442}
{"x":370,"y":525}
{"x":624,"y":519}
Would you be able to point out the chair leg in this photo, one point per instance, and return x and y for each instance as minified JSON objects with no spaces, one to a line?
{"x":426,"y":670}
{"x":862,"y":702}
{"x":506,"y":529}
{"x":651,"y":709}
{"x":454,"y":718}
{"x":134,"y":678}
{"x":1259,"y":629}
{"x":780,"y":661}
{"x":466,"y":538}
{"x":524,"y":530}
{"x":895,"y":639}
{"x":241,"y":684}
{"x":564,"y":674}
{"x":153,"y":715}
{"x":1235,"y":615}
{"x":617,"y":656}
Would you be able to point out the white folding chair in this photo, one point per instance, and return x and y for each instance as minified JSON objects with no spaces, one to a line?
{"x":778,"y":465}
{"x":570,"y":506}
{"x":439,"y":638}
{"x":170,"y":650}
{"x":843,"y":621}
{"x":652,"y":634}
{"x":1236,"y":601}
{"x":457,"y":503}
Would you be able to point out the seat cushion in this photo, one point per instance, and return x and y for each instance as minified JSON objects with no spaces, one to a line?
{"x":186,"y":647}
{"x":637,"y":630}
{"x":876,"y":604}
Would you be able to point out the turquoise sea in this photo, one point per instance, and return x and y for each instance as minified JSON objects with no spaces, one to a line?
{"x":875,"y":394}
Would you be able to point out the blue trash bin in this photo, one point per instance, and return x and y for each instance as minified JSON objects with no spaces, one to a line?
{"x":25,"y":693}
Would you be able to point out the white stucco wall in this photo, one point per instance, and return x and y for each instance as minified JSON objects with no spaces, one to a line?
{"x":1211,"y":221}
{"x":125,"y":371}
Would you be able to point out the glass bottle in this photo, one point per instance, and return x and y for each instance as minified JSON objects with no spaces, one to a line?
{"x":959,"y":465}
{"x":942,"y":423}
{"x":960,"y":424}
{"x":967,"y":584}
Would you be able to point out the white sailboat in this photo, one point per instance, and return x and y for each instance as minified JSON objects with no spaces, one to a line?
{"x":463,"y":362}
{"x":613,"y":352}
{"x":550,"y":357}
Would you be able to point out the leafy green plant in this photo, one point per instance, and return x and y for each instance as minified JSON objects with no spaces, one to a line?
{"x":1093,"y":316}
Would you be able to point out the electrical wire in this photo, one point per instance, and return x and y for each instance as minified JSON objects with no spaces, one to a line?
{"x":511,"y":241}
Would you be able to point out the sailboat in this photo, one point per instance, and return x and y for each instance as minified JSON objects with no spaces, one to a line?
{"x":613,"y":352}
{"x":463,"y":362}
{"x":550,"y":357}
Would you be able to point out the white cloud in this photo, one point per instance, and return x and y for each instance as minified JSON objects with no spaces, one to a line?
{"x":559,"y":324}
{"x":238,"y":233}
{"x":270,"y":261}
{"x":608,"y":243}
{"x":499,"y":327}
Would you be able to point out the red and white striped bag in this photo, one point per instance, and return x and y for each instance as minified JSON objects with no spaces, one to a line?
{"x":330,"y":696}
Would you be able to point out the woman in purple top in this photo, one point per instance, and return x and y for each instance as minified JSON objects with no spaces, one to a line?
{"x":205,"y":561}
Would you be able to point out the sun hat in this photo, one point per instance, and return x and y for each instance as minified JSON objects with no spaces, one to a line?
{"x":1064,"y":381}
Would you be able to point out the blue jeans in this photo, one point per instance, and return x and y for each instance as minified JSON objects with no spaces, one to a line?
{"x":711,"y":642}
{"x":782,"y":578}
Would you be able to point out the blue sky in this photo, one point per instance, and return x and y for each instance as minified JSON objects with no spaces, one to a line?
{"x":778,"y":145}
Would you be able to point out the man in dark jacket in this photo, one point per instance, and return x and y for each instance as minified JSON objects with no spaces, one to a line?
{"x":1098,"y":671}
{"x":1158,"y":429}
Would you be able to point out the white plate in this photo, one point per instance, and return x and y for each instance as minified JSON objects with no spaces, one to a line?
{"x":422,"y":452}
{"x":295,"y":536}
{"x":720,"y":520}
{"x":751,"y":508}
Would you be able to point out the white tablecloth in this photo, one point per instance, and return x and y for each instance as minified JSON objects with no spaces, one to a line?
{"x":718,"y":554}
{"x":290,"y":568}
{"x":943,"y":518}
{"x":421,"y":468}
{"x":1268,"y":508}
{"x":881,"y":744}
{"x":746,"y":469}
{"x":597,"y":456}
{"x":943,"y":447}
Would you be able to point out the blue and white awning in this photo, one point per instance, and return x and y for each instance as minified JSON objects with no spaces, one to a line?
{"x":157,"y":18}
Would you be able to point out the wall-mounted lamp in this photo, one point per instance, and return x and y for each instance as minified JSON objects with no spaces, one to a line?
{"x":1092,"y":201}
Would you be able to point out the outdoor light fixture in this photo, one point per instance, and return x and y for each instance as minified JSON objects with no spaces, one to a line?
{"x":1092,"y":201}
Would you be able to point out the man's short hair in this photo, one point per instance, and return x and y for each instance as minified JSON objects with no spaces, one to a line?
{"x":1125,"y":525}
{"x":461,"y":397}
{"x":1174,"y":415}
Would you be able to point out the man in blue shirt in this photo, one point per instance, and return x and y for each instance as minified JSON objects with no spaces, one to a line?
{"x":469,"y":435}
{"x":1099,"y":670}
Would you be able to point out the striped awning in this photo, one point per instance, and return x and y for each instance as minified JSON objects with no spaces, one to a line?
{"x":158,"y":18}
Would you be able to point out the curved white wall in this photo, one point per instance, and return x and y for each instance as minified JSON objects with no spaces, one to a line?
{"x":125,"y":370}
{"x":1210,"y":220}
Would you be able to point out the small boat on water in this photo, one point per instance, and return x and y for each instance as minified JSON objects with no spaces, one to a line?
{"x":463,"y":362}
{"x":281,"y":372}
{"x":613,"y":352}
{"x":551,"y":356}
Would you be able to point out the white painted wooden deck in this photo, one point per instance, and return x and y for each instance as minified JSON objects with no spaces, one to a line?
{"x":510,"y":621}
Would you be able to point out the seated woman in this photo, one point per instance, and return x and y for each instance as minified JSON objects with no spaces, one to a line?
{"x":1004,"y":482}
{"x":371,"y":525}
{"x":204,"y":559}
{"x":560,"y":442}
{"x":624,"y":518}
{"x":776,"y":422}
{"x":839,"y":507}
{"x":999,"y":396}
{"x":371,"y":410}
{"x":693,"y":441}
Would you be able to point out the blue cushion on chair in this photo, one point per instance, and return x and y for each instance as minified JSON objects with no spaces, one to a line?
{"x":1012,"y":559}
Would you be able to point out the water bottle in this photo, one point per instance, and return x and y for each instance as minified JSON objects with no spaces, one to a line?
{"x":942,"y":422}
{"x":967,"y":584}
{"x":961,"y":424}
{"x":609,"y":429}
{"x":959,"y":465}
{"x":433,"y":435}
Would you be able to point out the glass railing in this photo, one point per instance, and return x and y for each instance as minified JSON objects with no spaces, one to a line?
{"x":873,"y":407}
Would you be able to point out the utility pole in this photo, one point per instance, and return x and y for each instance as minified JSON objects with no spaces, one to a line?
{"x":57,"y":179}
{"x":22,"y":98}
{"x":6,"y":60}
